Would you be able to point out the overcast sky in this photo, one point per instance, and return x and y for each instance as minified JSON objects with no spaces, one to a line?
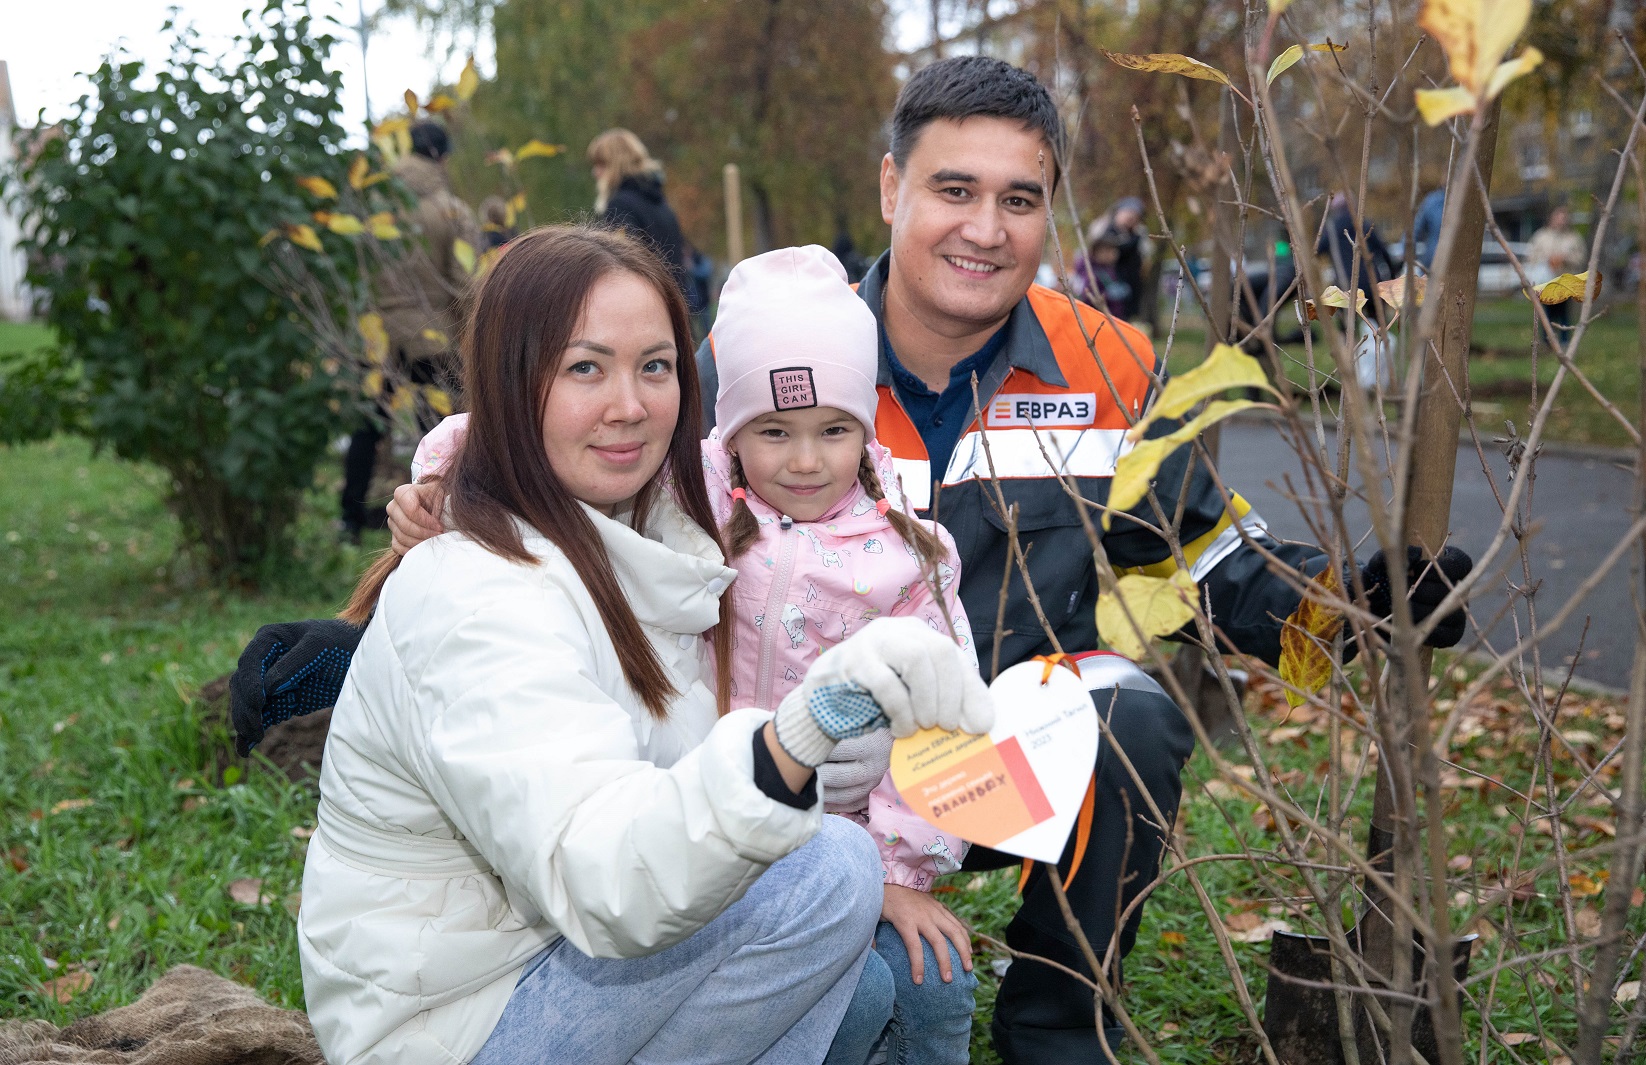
{"x":48,"y":43}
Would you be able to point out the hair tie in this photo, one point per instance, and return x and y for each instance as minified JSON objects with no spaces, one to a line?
{"x":739,"y":495}
{"x":883,"y":505}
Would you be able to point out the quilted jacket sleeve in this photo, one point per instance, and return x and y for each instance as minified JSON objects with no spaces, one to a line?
{"x":539,"y":768}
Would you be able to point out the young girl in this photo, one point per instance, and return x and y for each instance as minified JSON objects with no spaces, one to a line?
{"x":814,"y":524}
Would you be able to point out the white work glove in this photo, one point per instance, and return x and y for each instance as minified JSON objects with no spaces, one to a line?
{"x":894,"y":672}
{"x":853,"y":769}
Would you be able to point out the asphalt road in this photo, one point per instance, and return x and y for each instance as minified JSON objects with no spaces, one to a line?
{"x":1579,"y":514}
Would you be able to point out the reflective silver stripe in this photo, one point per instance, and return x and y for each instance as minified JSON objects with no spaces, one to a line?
{"x":1101,"y":672}
{"x":1018,"y":453}
{"x":407,"y":855}
{"x":916,"y":475}
{"x":1225,"y":543}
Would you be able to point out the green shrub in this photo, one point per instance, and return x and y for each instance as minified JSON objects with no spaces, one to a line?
{"x":147,"y":213}
{"x":41,"y":393}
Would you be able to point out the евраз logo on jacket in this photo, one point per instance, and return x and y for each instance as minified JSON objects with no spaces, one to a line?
{"x":1053,"y":410}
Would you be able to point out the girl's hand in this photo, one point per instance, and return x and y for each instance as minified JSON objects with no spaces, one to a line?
{"x":414,"y":515}
{"x":916,"y":916}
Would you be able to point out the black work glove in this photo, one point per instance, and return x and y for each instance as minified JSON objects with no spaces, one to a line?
{"x":286,"y":671}
{"x":1426,"y":585}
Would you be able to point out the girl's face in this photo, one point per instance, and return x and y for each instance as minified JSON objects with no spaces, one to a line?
{"x":614,"y":401}
{"x":801,"y":462}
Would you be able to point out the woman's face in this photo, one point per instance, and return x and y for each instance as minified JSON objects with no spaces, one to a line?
{"x":614,"y":401}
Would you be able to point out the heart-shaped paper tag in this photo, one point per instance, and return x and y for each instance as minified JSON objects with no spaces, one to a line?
{"x":1019,"y":788}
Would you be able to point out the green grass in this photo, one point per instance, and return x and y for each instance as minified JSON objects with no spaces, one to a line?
{"x":121,"y":834}
{"x":1500,"y":370}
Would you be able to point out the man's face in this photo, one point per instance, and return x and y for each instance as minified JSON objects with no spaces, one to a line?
{"x":968,"y":219}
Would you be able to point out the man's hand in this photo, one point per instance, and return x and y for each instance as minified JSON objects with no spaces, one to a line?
{"x":414,"y":515}
{"x":1428,"y":582}
{"x":287,"y":671}
{"x":916,"y":916}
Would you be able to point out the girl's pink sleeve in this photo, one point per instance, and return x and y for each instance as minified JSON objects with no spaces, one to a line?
{"x":922,"y":604}
{"x":435,"y":451}
{"x":912,"y":852}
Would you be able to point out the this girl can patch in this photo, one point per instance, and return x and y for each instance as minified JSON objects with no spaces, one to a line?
{"x":792,"y":388}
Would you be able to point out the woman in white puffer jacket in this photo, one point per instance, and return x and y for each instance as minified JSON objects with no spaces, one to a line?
{"x":540,"y":835}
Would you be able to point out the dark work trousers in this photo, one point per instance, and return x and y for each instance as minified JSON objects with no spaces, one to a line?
{"x":361,"y":459}
{"x":1042,"y":1016}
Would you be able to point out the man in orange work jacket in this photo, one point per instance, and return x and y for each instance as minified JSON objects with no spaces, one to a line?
{"x":974,"y":145}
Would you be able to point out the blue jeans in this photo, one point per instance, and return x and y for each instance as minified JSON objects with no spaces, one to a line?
{"x":931,"y":1022}
{"x":767,"y":981}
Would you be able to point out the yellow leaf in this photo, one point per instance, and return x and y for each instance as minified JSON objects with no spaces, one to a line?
{"x":1475,"y":34}
{"x":382,"y":226}
{"x":390,"y":126}
{"x":1283,"y":62}
{"x":1585,"y":886}
{"x":487,"y":260}
{"x":1167,"y":63}
{"x":1565,"y":287}
{"x":517,"y":202}
{"x":1173,"y":939}
{"x":372,"y":384}
{"x":1437,"y":105}
{"x":303,"y":236}
{"x":1225,"y":368}
{"x":346,"y":225}
{"x":1305,"y":664}
{"x":1528,"y":61}
{"x":403,"y":400}
{"x":1275,"y":8}
{"x":468,"y":81}
{"x":71,"y":804}
{"x":435,"y":336}
{"x":440,"y":103}
{"x":376,"y":338}
{"x":1393,"y":291}
{"x":535,"y":148}
{"x":318,"y":186}
{"x":358,"y":169}
{"x":263,"y":241}
{"x":1137,"y":467}
{"x":1335,"y":299}
{"x":411,"y":103}
{"x":463,"y":252}
{"x":438,"y":401}
{"x":1287,"y":59}
{"x":1159,"y":605}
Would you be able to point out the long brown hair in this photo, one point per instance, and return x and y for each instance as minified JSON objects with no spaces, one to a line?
{"x":525,"y":313}
{"x":742,"y":529}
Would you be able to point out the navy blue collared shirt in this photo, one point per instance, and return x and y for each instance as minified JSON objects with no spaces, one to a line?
{"x":940,"y":417}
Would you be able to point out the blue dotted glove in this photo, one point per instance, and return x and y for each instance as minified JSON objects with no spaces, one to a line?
{"x":287,"y":671}
{"x":895,"y":673}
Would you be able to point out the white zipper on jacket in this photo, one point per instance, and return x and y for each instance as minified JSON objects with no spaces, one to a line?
{"x":773,"y":623}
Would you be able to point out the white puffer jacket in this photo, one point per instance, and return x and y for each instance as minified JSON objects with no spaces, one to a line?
{"x":491,"y":784}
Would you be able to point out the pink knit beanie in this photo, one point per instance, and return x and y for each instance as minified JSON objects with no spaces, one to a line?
{"x":791,"y":334}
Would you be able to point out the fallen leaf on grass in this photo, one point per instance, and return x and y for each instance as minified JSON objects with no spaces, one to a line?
{"x":1626,"y":992}
{"x":1253,"y":928}
{"x":185,"y":784}
{"x":293,"y":903}
{"x":1515,"y":1039}
{"x":1460,"y":863}
{"x":194,"y":802}
{"x":1638,"y":897}
{"x":71,"y":804}
{"x":65,"y":987}
{"x":14,"y":858}
{"x":1585,"y":886}
{"x":1173,"y":939}
{"x":248,"y":891}
{"x":1588,"y":923}
{"x":1286,"y":734}
{"x":301,"y":831}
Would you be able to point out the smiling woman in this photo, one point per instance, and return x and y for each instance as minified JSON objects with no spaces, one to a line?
{"x":541,"y":835}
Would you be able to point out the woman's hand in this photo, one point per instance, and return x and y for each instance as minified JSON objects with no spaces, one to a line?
{"x":916,"y":916}
{"x":894,"y":672}
{"x":414,"y":515}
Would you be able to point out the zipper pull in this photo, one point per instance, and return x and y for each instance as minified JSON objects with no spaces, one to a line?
{"x":785,"y":522}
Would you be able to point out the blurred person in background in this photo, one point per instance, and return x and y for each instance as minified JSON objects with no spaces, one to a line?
{"x":629,"y":196}
{"x":1338,"y":242}
{"x":1556,"y":249}
{"x":1426,"y":228}
{"x":418,"y":296}
{"x":1122,"y":229}
{"x":494,"y":220}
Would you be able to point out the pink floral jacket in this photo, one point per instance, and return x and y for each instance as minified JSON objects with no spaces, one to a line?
{"x":802,"y":588}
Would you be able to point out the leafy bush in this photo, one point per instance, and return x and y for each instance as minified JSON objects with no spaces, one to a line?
{"x":40,"y":394}
{"x":147,"y":213}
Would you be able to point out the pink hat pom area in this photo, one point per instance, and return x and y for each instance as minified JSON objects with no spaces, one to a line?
{"x":791,"y":334}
